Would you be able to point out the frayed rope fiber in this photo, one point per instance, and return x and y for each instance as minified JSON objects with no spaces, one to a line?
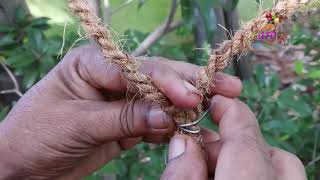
{"x":218,"y":60}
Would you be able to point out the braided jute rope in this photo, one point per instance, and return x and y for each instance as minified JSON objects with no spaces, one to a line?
{"x":217,"y":62}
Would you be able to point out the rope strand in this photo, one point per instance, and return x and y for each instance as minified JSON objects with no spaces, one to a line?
{"x":95,"y":29}
{"x":217,"y":62}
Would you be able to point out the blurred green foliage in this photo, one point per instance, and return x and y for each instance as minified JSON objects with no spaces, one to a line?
{"x":27,"y":49}
{"x":288,"y":115}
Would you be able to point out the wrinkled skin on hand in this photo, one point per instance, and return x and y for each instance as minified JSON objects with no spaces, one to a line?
{"x":66,"y":126}
{"x":238,"y":151}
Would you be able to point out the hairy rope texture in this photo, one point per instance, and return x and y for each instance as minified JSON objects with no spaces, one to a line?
{"x":241,"y":42}
{"x":95,"y":29}
{"x":218,"y":60}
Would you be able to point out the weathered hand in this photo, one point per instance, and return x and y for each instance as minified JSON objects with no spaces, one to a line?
{"x":241,"y":153}
{"x":67,"y":126}
{"x":238,"y":151}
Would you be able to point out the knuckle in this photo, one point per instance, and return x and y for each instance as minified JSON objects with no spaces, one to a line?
{"x":155,"y":68}
{"x":132,"y":119}
{"x":124,"y":117}
{"x":282,"y":158}
{"x":249,"y":130}
{"x":243,"y":107}
{"x":83,"y":53}
{"x":234,"y":107}
{"x":293,"y":159}
{"x":254,"y":143}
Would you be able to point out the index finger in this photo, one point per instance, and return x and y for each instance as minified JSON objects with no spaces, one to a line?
{"x":172,"y":77}
{"x":224,"y":84}
{"x":244,"y":155}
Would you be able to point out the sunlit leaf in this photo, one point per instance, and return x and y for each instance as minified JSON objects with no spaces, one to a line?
{"x":314,"y":73}
{"x":299,"y":67}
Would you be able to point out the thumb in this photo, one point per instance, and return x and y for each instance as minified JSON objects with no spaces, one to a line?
{"x":109,"y":121}
{"x":186,"y":160}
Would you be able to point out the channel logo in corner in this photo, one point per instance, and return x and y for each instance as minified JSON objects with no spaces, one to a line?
{"x":269,"y":33}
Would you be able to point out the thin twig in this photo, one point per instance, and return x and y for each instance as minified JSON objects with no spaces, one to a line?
{"x":16,"y":89}
{"x":154,"y":37}
{"x":168,"y":26}
{"x":314,"y":161}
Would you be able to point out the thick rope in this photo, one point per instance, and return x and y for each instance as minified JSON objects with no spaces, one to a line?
{"x":95,"y":29}
{"x":217,"y":62}
{"x":241,"y":42}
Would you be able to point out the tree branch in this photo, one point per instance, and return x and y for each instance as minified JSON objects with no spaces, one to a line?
{"x":154,"y":37}
{"x":172,"y":12}
{"x":163,"y":29}
{"x":16,"y":89}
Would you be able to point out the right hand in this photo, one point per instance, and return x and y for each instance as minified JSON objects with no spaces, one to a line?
{"x":237,"y":152}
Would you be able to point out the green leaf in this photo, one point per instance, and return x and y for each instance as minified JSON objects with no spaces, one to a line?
{"x":46,"y":64}
{"x":92,"y":177}
{"x":3,"y":112}
{"x":314,"y":73}
{"x":260,"y":76}
{"x":36,"y":40}
{"x":251,"y":89}
{"x":21,"y":16}
{"x":230,"y":5}
{"x":273,"y":84}
{"x":110,"y":168}
{"x":187,"y":12}
{"x":30,"y":78}
{"x":5,"y":28}
{"x":41,"y":23}
{"x":20,"y":59}
{"x":289,"y":99}
{"x":299,"y":66}
{"x":52,"y":47}
{"x":7,"y":40}
{"x":286,"y":126}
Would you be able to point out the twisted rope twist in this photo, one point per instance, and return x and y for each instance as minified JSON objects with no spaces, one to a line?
{"x":217,"y":62}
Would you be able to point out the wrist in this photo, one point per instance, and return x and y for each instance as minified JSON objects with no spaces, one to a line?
{"x":10,"y":167}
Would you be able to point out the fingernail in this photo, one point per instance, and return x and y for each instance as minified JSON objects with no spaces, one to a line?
{"x":191,"y":89}
{"x":157,"y":119}
{"x":176,"y":148}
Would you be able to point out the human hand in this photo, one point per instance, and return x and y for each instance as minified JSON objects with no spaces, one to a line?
{"x":238,"y":151}
{"x":66,"y":126}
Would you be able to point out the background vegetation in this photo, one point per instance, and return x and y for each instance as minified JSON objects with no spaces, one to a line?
{"x":283,"y":91}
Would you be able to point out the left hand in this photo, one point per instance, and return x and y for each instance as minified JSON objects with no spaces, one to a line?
{"x":65,"y":128}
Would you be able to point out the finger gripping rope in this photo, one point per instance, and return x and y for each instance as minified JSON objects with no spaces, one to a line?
{"x":186,"y":120}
